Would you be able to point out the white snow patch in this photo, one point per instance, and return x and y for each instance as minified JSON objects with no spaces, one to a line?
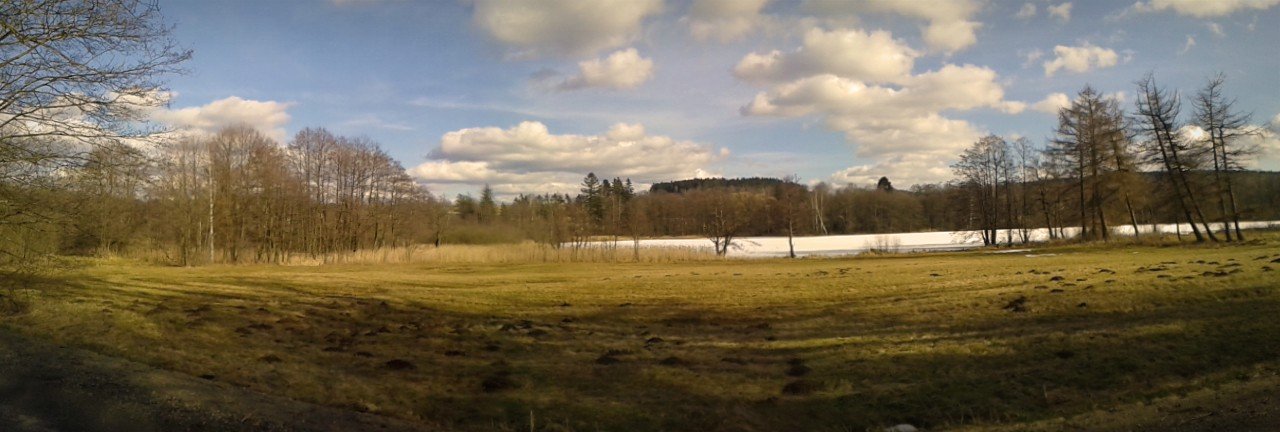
{"x":936,"y":241}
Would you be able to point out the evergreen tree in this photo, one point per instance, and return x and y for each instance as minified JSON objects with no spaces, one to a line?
{"x":487,"y":210}
{"x":592,"y":197}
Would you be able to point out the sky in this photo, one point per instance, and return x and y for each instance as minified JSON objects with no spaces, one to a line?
{"x":528,"y":96}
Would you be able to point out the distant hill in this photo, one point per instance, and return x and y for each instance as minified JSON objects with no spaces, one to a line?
{"x":679,"y":186}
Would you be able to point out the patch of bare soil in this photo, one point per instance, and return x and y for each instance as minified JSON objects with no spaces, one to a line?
{"x":45,"y":387}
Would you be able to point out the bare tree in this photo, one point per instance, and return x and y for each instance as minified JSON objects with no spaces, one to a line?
{"x":818,"y":204}
{"x":74,"y":75}
{"x":1157,"y":118}
{"x":637,"y":224}
{"x":982,"y":169}
{"x":789,"y":197}
{"x":724,"y":214}
{"x":1216,"y":115}
{"x":82,"y":71}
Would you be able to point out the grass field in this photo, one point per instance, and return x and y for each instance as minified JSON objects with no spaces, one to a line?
{"x":1086,"y":337}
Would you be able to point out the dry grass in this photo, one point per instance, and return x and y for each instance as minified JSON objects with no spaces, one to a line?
{"x":514,"y":253}
{"x":518,"y":253}
{"x":936,"y":340}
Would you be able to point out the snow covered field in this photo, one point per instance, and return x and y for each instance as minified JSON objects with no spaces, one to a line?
{"x":767,"y":247}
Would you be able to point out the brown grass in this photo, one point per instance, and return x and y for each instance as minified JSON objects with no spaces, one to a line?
{"x":703,"y":345}
{"x":515,"y":253}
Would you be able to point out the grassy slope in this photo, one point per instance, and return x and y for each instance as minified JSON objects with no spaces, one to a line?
{"x":916,"y":339}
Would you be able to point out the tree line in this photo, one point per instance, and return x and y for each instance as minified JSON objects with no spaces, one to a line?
{"x":1105,"y":167}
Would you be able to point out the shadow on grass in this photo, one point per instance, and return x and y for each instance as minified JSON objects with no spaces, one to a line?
{"x":727,"y":374}
{"x":1045,"y":367}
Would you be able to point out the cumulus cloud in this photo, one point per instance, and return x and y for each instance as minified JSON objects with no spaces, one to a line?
{"x":528,"y":158}
{"x":539,"y":28}
{"x":1027,"y":11}
{"x":854,"y":54}
{"x":1080,"y":59}
{"x":1052,"y":103}
{"x":621,"y":70}
{"x":903,"y":170}
{"x":949,"y":88}
{"x":950,"y":28}
{"x":269,"y":117}
{"x":862,"y":85}
{"x":1203,"y":8}
{"x":1266,"y":141}
{"x":724,"y":20}
{"x":894,"y":124}
{"x":1061,"y":12}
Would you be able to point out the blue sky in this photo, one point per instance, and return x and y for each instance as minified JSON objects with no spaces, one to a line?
{"x":529,"y":95}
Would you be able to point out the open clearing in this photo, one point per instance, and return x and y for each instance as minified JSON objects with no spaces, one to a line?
{"x":1091,"y":338}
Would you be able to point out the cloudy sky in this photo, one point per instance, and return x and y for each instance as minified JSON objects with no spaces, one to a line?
{"x":530,"y":95}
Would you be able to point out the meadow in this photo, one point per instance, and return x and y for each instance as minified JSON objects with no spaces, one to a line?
{"x":1090,"y":337}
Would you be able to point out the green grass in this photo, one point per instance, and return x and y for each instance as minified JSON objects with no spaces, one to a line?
{"x":920,"y":339}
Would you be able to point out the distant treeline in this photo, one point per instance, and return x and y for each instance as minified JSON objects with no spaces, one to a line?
{"x":709,"y":183}
{"x":240,"y":197}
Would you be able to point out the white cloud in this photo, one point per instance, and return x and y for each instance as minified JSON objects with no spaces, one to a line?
{"x":373,"y":121}
{"x":1056,"y":101}
{"x":1191,"y":42}
{"x":1203,"y":8}
{"x":1061,"y":12}
{"x":1052,"y":103}
{"x":950,"y":88}
{"x":949,"y":29}
{"x":894,"y":124}
{"x":862,"y":85}
{"x":1267,"y":143}
{"x":1216,"y":29}
{"x":268,"y":117}
{"x":855,"y":54}
{"x":538,"y":28}
{"x":527,"y":158}
{"x":621,"y":70}
{"x":1080,"y":59}
{"x":724,"y":20}
{"x":1028,"y":11}
{"x":904,"y":170}
{"x":1031,"y":57}
{"x":951,"y":36}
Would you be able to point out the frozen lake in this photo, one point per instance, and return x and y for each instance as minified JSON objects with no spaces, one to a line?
{"x":771,"y":247}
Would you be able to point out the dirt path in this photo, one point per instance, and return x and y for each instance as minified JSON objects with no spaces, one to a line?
{"x":45,"y":387}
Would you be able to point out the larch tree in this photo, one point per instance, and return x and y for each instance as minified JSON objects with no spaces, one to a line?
{"x":1091,"y":136}
{"x":1156,"y":118}
{"x":1223,"y":127}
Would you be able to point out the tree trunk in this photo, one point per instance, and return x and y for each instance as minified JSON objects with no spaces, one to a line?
{"x":791,"y":246}
{"x":1133,"y":218}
